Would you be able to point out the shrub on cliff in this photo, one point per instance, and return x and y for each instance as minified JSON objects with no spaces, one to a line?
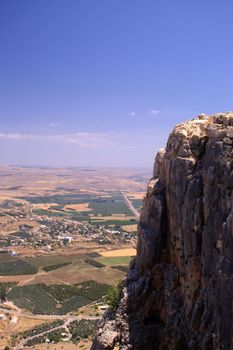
{"x":114,"y":296}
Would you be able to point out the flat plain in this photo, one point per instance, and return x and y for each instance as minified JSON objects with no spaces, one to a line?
{"x":62,"y":229}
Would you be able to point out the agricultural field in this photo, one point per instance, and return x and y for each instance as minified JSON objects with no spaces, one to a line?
{"x":43,"y":327}
{"x":83,"y":328}
{"x":77,"y":330}
{"x":66,"y":235}
{"x":71,"y":215}
{"x":119,"y":252}
{"x":55,"y":266}
{"x":137,"y":203}
{"x":75,"y":269}
{"x":56,"y":299}
{"x":68,"y":206}
{"x":122,"y":268}
{"x":33,"y":298}
{"x":10,"y":266}
{"x":67,"y":269}
{"x":54,"y":336}
{"x":115,"y":221}
{"x":115,"y":260}
{"x":106,"y":206}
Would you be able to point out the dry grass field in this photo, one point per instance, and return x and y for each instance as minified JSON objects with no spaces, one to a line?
{"x":78,"y":207}
{"x":82,"y":345}
{"x":20,"y":324}
{"x":119,"y":252}
{"x":26,"y":323}
{"x":130,"y":228}
{"x":4,"y":333}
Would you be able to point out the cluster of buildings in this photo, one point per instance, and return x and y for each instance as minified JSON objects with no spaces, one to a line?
{"x":53,"y":233}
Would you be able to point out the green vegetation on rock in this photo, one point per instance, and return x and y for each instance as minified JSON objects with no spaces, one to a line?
{"x":114,"y":296}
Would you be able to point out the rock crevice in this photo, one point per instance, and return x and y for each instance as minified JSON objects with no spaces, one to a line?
{"x":179,"y":288}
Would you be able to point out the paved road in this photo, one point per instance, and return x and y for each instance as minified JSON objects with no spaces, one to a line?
{"x":65,"y":325}
{"x":130,"y":206}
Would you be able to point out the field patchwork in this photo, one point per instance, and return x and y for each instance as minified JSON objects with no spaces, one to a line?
{"x":56,"y":299}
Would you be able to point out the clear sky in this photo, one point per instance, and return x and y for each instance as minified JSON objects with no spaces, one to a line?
{"x":102,"y":82}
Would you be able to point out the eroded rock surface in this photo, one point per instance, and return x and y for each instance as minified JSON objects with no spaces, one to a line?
{"x":179,"y":289}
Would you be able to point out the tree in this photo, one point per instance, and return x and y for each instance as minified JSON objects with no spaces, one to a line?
{"x":114,"y":296}
{"x":6,"y":348}
{"x":3,"y":294}
{"x":56,"y":337}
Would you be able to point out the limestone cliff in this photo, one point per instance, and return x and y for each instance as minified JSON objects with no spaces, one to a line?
{"x":179,"y":289}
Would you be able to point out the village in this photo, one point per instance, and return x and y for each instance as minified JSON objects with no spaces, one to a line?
{"x":55,"y":233}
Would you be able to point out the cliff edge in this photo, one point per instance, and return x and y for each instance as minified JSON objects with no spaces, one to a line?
{"x":179,"y":290}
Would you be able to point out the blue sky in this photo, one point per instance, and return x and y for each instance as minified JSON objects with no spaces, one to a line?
{"x":103,"y":82}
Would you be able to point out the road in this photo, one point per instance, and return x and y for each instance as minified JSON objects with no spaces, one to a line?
{"x":67,"y":319}
{"x":130,"y":205}
{"x":18,"y":313}
{"x":65,"y":325}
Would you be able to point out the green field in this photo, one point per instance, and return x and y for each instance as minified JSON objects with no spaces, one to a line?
{"x":137,"y":203}
{"x":114,"y":222}
{"x":72,"y":304}
{"x":108,"y":206}
{"x":116,"y":260}
{"x":124,"y":269}
{"x":112,"y":203}
{"x":94,"y":262}
{"x":48,"y":260}
{"x":69,"y":214}
{"x":63,"y":199}
{"x":55,"y":266}
{"x":54,"y":336}
{"x":10,"y":266}
{"x":33,"y":298}
{"x":44,"y":327}
{"x":83,"y":328}
{"x":93,"y":290}
{"x":56,"y":299}
{"x":71,"y":269}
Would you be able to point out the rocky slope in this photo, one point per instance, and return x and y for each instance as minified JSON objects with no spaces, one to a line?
{"x":179,"y":289}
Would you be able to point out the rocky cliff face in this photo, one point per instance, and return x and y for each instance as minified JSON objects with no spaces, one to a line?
{"x":179,"y":289}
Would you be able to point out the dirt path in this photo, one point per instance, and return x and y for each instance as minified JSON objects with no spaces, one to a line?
{"x":31,"y":279}
{"x":40,"y":273}
{"x":20,"y":313}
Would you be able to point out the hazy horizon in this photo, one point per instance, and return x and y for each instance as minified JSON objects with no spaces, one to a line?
{"x":143,"y":168}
